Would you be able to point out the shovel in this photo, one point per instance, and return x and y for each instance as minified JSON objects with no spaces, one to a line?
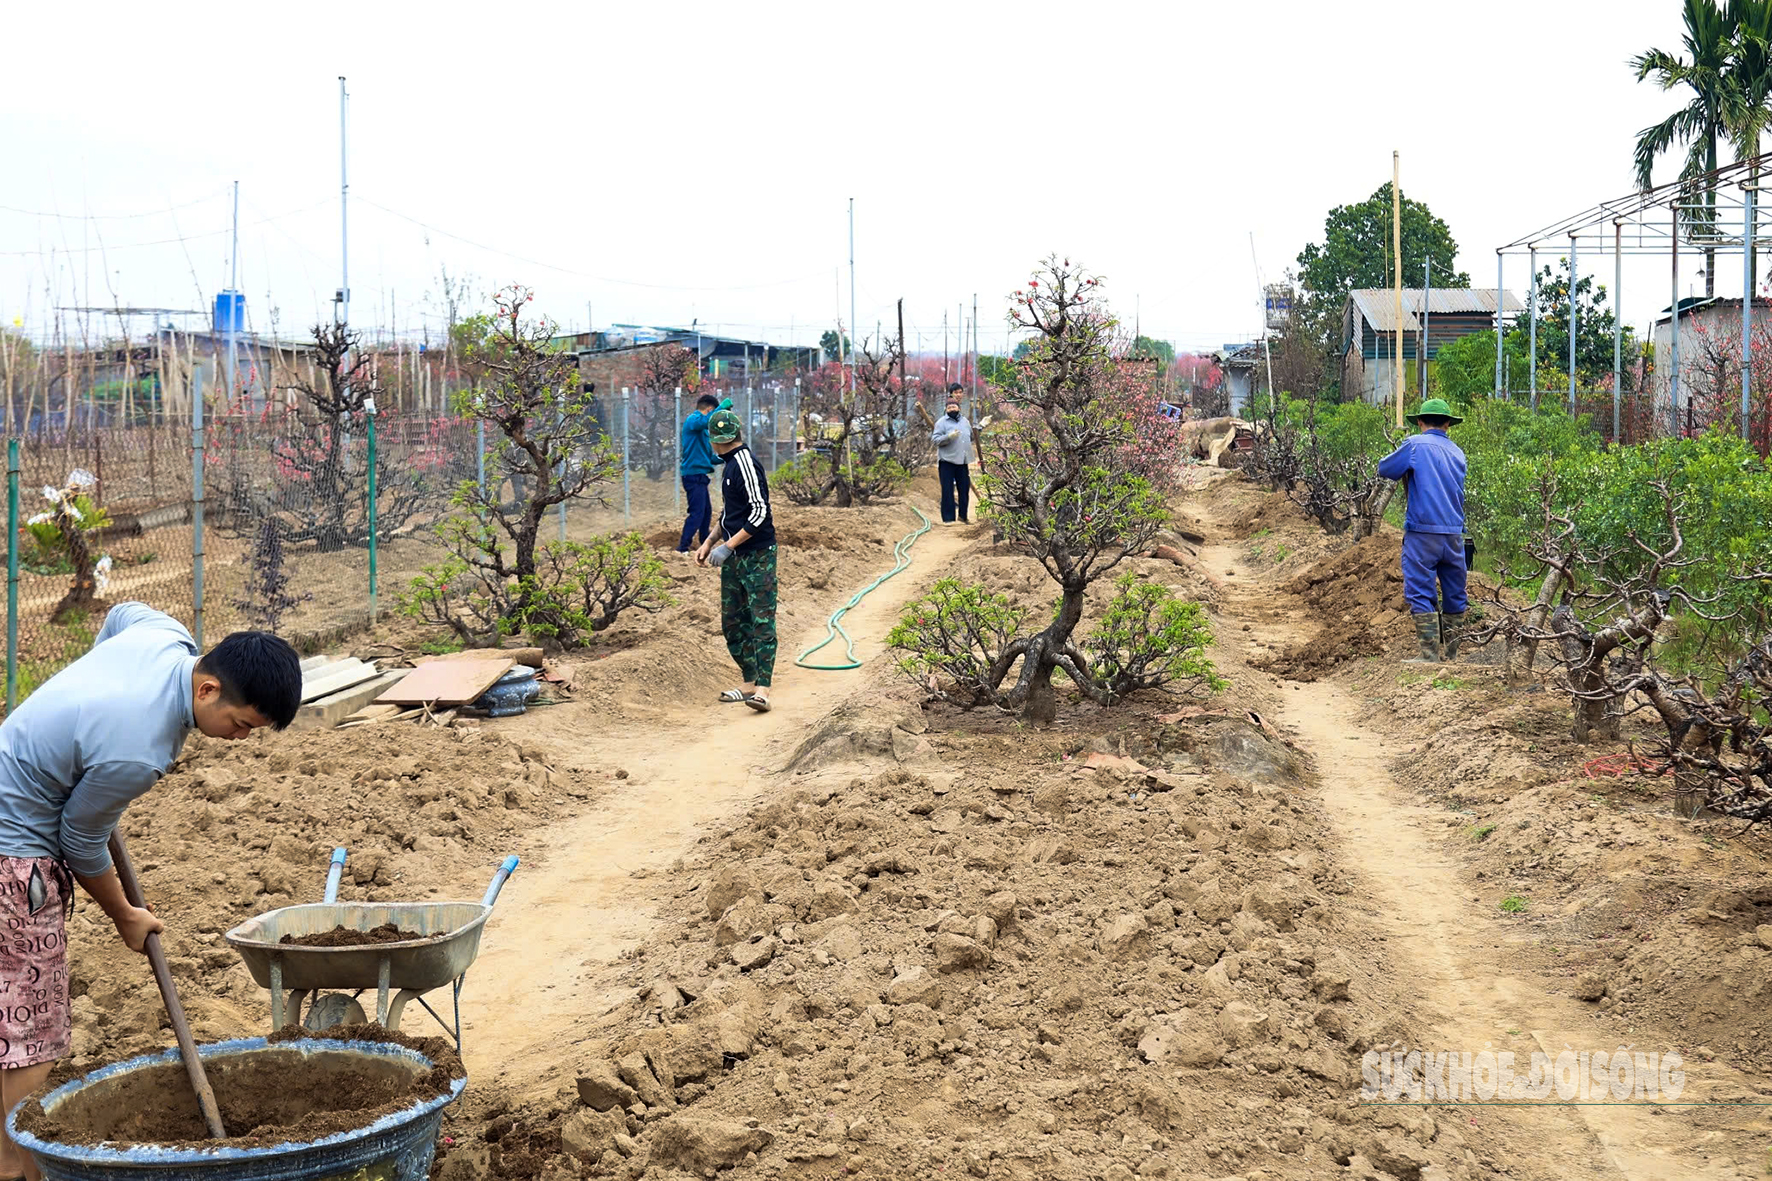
{"x":132,"y":892}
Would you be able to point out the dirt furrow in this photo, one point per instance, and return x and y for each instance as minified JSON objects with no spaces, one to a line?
{"x":592,"y":895}
{"x":1467,"y":984}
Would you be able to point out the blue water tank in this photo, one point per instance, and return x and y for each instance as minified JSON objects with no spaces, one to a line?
{"x":230,"y":312}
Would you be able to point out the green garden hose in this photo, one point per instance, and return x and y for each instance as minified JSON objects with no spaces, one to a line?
{"x":901,"y":554}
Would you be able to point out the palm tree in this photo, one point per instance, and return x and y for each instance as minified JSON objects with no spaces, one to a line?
{"x":1750,"y":74}
{"x":1709,"y":42}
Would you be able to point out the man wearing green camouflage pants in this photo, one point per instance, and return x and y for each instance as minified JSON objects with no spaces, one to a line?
{"x":742,"y":547}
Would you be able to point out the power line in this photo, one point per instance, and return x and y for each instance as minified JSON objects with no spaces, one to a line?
{"x":161,"y":212}
{"x":534,"y":262}
{"x":156,"y":242}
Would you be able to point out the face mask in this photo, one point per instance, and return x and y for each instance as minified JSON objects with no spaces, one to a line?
{"x":954,"y":414}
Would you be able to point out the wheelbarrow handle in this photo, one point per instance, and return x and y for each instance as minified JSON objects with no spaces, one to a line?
{"x":334,"y":874}
{"x":498,"y":880}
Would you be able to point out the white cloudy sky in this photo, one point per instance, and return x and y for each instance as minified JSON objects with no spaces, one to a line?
{"x":670,"y":162}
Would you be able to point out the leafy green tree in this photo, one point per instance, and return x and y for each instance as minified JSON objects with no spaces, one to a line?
{"x":836,"y":347}
{"x":1709,"y":40}
{"x":1464,"y":369}
{"x":1594,"y":324}
{"x":1356,"y":252}
{"x":1162,"y":350}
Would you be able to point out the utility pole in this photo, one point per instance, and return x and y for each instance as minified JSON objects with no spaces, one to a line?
{"x":904,"y":387}
{"x":1427,"y":270}
{"x":852,"y":324}
{"x":344,"y":193}
{"x":973,"y":408}
{"x":1397,"y":248}
{"x":233,"y":301}
{"x":944,"y":352}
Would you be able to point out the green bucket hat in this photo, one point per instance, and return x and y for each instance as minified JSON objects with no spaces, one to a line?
{"x":723,"y":426}
{"x":1433,"y":408}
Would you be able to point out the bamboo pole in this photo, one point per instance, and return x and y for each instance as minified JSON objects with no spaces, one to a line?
{"x":1397,"y":253}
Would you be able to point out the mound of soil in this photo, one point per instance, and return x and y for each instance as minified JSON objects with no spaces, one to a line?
{"x":1061,"y":964}
{"x":239,"y":828}
{"x":1356,"y":597}
{"x":270,"y":1097}
{"x":349,"y":937}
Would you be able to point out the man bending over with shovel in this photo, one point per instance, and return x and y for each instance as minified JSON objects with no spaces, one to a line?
{"x":742,"y":547}
{"x":94,"y":737}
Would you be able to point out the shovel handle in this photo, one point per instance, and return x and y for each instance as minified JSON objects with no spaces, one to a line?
{"x":187,"y":1048}
{"x":334,"y":874}
{"x":498,"y":881}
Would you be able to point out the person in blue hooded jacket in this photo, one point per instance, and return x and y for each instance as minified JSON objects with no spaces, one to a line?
{"x":1432,"y":468}
{"x":696,"y":465}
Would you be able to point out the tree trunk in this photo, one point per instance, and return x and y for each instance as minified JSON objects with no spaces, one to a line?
{"x":1593,"y":719}
{"x":1523,"y":655}
{"x":1039,"y":700}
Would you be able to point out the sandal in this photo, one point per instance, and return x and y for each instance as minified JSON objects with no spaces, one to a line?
{"x":758,"y":702}
{"x":734,"y":696}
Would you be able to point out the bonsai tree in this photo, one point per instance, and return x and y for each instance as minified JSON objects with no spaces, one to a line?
{"x":1074,"y":482}
{"x":652,"y":426}
{"x":862,"y":443}
{"x":498,"y":580}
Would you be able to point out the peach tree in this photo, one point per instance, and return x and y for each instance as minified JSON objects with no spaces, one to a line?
{"x":498,"y":579}
{"x":1076,"y":479}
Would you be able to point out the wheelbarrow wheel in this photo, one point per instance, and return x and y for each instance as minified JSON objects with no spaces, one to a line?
{"x":334,"y":1008}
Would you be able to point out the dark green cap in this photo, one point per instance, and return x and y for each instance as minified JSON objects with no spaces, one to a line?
{"x":1434,"y":408}
{"x":723,"y":426}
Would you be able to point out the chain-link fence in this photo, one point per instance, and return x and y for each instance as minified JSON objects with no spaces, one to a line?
{"x":283,"y":540}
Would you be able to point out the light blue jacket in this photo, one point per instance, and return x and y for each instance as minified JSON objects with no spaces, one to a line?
{"x":96,"y":735}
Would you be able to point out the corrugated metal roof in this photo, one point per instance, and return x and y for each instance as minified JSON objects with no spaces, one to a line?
{"x":1379,"y":304}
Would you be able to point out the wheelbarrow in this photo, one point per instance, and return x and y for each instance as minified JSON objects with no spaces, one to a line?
{"x":399,"y":972}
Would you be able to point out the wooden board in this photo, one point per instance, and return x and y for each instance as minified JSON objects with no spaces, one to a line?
{"x":372,"y":713}
{"x":397,"y":713}
{"x":447,"y":682}
{"x":323,"y":682}
{"x":525,"y":656}
{"x":335,"y":707}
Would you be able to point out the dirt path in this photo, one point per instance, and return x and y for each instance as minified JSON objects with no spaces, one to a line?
{"x":1465,"y":979}
{"x":591,"y":895}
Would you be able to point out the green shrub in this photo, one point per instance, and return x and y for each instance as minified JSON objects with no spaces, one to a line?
{"x":966,"y":637}
{"x":1149,"y":639}
{"x":958,"y":634}
{"x":576,"y":591}
{"x":809,"y":479}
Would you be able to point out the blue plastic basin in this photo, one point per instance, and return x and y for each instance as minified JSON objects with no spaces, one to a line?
{"x":396,"y":1147}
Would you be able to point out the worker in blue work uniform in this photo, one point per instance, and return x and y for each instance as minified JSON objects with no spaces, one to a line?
{"x":1432,"y":468}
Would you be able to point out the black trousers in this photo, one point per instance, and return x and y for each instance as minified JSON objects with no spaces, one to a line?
{"x":956,"y":483}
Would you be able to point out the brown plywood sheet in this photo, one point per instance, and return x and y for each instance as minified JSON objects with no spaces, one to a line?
{"x":447,"y":682}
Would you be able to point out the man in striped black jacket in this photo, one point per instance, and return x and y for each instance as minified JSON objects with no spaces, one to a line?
{"x":742,"y":547}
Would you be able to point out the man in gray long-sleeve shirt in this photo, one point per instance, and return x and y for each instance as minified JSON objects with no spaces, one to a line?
{"x":72,"y":756}
{"x":955,"y":442}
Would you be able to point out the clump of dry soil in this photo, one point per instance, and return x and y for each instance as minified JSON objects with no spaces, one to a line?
{"x":1355,"y":599}
{"x":1062,"y":963}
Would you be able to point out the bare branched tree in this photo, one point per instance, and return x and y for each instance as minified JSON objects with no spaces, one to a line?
{"x":862,"y":444}
{"x":318,"y":487}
